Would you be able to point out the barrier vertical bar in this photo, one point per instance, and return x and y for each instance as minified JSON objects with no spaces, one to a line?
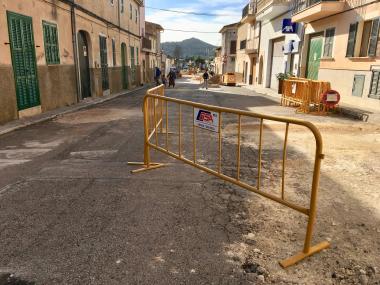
{"x":283,"y":161}
{"x":167,"y":126}
{"x":313,"y":198}
{"x":238,"y":148}
{"x":155,"y":120}
{"x":220,"y":142}
{"x":180,"y":129}
{"x":194,"y":138}
{"x":258,"y":184}
{"x":146,"y":133}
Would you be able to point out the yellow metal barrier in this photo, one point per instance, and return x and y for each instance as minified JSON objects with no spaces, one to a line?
{"x":304,"y":93}
{"x":154,"y":119}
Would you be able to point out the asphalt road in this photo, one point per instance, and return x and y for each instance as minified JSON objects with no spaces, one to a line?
{"x":71,"y":212}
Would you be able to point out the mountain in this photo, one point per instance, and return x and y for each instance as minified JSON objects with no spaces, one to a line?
{"x":188,"y":48}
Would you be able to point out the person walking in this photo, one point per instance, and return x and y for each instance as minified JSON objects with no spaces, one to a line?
{"x":157,"y":76}
{"x":205,"y":79}
{"x":171,"y":77}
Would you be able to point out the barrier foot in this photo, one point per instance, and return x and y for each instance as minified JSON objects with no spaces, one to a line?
{"x":145,"y":167}
{"x":300,"y":256}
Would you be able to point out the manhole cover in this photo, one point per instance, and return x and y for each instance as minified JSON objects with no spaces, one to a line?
{"x":10,"y":279}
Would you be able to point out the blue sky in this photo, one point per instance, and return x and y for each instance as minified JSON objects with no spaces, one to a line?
{"x":228,"y":12}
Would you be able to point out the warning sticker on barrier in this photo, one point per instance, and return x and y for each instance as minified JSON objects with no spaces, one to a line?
{"x":206,"y":119}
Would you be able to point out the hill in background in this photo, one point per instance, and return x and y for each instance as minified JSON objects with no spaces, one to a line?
{"x":189,"y":48}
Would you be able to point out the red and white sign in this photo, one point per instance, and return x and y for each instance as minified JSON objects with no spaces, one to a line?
{"x":330,"y":98}
{"x":206,"y":119}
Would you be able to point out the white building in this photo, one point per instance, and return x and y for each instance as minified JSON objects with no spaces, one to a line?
{"x":279,"y":49}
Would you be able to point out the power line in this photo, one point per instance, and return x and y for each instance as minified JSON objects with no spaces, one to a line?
{"x":190,"y":13}
{"x":201,"y":32}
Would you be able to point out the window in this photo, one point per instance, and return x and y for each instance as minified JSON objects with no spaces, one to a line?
{"x":243,"y":44}
{"x":136,"y":16}
{"x":113,"y":52}
{"x":130,"y":12}
{"x":374,"y":91}
{"x":233,"y":47}
{"x":132,"y":56}
{"x":351,"y":40}
{"x":122,"y":6}
{"x":329,"y":40}
{"x":137,"y":56}
{"x":232,"y":59}
{"x":369,"y":42}
{"x":373,"y":45}
{"x":51,"y":43}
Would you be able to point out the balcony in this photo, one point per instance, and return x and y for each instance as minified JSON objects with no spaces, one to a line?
{"x":311,"y":10}
{"x":269,"y":9}
{"x":146,"y":44}
{"x":248,"y":14}
{"x":252,"y":47}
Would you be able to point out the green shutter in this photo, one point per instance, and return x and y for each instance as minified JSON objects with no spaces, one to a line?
{"x":51,"y":43}
{"x":24,"y":64}
{"x":351,"y":40}
{"x":374,"y":36}
{"x":375,"y":84}
{"x":132,"y":56}
{"x":137,"y":56}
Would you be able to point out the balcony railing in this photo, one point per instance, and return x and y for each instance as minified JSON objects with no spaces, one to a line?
{"x":245,"y":11}
{"x":263,"y":4}
{"x":300,"y":5}
{"x":249,"y":9}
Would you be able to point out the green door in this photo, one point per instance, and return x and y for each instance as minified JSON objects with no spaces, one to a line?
{"x":104,"y":62}
{"x":124,"y":72}
{"x":23,"y":60}
{"x":133,"y":66}
{"x":314,"y":57}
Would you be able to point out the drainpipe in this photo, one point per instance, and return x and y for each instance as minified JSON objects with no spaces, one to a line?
{"x":75,"y":49}
{"x":300,"y":49}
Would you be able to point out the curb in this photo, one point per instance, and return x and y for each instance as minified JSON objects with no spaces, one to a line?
{"x":19,"y":124}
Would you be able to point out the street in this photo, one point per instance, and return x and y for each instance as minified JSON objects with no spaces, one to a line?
{"x":72,"y":213}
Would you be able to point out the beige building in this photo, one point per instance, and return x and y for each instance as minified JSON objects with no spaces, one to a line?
{"x":228,"y":50}
{"x":56,"y":52}
{"x":248,"y":32}
{"x":151,"y":44}
{"x":342,"y":45}
{"x":218,"y":61}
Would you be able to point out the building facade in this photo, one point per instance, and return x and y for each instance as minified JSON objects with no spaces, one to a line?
{"x":57,"y":53}
{"x":342,"y":45}
{"x":151,"y":44}
{"x":218,"y":61}
{"x":280,"y":42}
{"x":229,"y":47}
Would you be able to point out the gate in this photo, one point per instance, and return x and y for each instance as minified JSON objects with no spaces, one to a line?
{"x":23,"y":60}
{"x":104,"y":62}
{"x":156,"y":122}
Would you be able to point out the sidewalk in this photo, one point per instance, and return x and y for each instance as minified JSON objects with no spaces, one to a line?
{"x":49,"y":115}
{"x":348,"y":110}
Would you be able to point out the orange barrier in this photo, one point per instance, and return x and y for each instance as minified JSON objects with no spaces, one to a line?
{"x":304,"y":93}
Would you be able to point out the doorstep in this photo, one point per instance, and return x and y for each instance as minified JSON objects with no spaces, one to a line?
{"x":25,"y":121}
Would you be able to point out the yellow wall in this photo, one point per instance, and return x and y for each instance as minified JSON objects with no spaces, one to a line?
{"x":39,"y":10}
{"x":342,"y":22}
